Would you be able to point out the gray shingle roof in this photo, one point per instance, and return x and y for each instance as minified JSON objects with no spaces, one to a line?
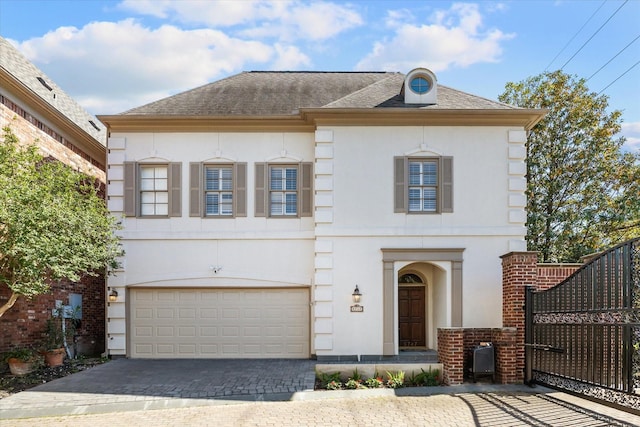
{"x":15,"y":64}
{"x":258,"y":93}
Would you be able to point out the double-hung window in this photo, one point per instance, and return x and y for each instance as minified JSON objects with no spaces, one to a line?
{"x":217,"y":190}
{"x":152,"y":190}
{"x":423,"y":184}
{"x":284,"y":190}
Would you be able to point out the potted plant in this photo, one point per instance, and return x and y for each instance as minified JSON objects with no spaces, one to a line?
{"x":53,"y":345}
{"x":22,"y":360}
{"x":58,"y":335}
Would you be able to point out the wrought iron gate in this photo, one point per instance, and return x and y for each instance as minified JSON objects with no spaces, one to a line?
{"x":583,"y":335}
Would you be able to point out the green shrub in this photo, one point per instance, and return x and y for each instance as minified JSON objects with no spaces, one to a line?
{"x":375,"y":382}
{"x":334,"y":385}
{"x":325,"y":379}
{"x":425,"y":378}
{"x":395,"y":380}
{"x":353,"y":384}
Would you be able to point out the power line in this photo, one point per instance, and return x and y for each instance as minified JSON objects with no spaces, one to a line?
{"x":574,"y":36}
{"x":620,"y":76}
{"x":594,"y":34}
{"x":619,"y":52}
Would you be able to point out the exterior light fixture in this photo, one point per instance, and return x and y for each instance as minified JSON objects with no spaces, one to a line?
{"x":356,"y":295}
{"x":113,"y":295}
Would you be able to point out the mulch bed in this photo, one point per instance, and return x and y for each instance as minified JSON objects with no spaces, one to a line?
{"x":11,"y":384}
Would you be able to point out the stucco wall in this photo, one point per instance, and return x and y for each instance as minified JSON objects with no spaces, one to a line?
{"x":341,"y":245}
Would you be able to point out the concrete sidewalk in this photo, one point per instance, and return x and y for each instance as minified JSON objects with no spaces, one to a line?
{"x":280,"y":392}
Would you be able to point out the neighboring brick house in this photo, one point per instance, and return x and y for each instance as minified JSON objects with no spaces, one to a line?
{"x":39,"y":112}
{"x":254,"y":207}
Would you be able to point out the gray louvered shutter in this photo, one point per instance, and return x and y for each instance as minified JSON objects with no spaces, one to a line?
{"x":261,"y":190}
{"x":195,"y":189}
{"x":447,"y":184}
{"x":175,"y":191}
{"x":130,"y":188}
{"x":306,"y":189}
{"x":400,"y":185}
{"x":240,"y":193}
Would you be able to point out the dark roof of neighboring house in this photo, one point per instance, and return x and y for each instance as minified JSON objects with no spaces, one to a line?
{"x":262,"y":93}
{"x":32,"y":80}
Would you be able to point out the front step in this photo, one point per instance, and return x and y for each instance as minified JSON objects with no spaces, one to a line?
{"x":419,"y":356}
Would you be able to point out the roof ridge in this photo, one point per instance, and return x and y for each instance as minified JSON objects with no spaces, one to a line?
{"x":317,"y":72}
{"x":481,"y":97}
{"x":16,"y":64}
{"x":391,"y":75}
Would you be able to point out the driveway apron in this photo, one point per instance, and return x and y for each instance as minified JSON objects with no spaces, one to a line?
{"x":280,"y":392}
{"x":129,"y":384}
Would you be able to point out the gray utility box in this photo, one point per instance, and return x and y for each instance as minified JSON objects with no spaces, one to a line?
{"x":482,"y":361}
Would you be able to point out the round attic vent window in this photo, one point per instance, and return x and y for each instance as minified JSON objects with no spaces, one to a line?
{"x":420,"y":85}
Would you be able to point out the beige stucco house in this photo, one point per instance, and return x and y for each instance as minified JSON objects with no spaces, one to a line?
{"x":255,"y":205}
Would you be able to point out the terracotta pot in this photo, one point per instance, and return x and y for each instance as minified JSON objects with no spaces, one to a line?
{"x":54,"y":357}
{"x":19,"y":367}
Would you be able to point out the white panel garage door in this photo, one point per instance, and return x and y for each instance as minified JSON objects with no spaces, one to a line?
{"x":219,"y":323}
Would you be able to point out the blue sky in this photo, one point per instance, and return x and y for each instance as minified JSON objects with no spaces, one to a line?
{"x":115,"y":55}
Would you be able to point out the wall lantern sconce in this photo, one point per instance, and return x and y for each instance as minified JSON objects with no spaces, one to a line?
{"x":113,"y":295}
{"x":356,"y":295}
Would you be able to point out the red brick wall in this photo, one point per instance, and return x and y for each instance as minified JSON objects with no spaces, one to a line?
{"x":549,"y":275}
{"x":27,"y":133}
{"x":25,"y":323}
{"x":505,"y":342}
{"x":519,"y":270}
{"x":451,"y":354}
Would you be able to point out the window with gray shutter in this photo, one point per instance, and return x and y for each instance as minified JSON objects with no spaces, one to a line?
{"x":284,"y":190}
{"x":218,"y":190}
{"x":152,"y":190}
{"x":423,"y":184}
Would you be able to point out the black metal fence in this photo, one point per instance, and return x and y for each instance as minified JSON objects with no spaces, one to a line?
{"x":583,"y":335}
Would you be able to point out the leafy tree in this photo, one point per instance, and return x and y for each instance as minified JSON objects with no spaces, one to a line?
{"x":583,"y":190}
{"x":53,"y":223}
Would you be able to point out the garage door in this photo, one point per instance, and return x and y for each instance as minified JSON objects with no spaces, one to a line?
{"x":219,"y":323}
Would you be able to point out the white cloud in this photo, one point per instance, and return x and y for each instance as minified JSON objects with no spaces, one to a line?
{"x":321,"y":21}
{"x":125,"y":64}
{"x":281,"y":19}
{"x":289,"y":58}
{"x":212,"y":13}
{"x":109,"y":67}
{"x":631,"y":131}
{"x":454,"y":38}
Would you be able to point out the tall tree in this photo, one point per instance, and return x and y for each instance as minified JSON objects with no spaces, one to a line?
{"x":53,"y":223}
{"x":583,"y":189}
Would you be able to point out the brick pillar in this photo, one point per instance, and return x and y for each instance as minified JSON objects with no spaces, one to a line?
{"x":519,"y":270}
{"x":451,"y":354}
{"x":504,"y":340}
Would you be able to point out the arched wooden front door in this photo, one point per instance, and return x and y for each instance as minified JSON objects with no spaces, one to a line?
{"x":411,"y":311}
